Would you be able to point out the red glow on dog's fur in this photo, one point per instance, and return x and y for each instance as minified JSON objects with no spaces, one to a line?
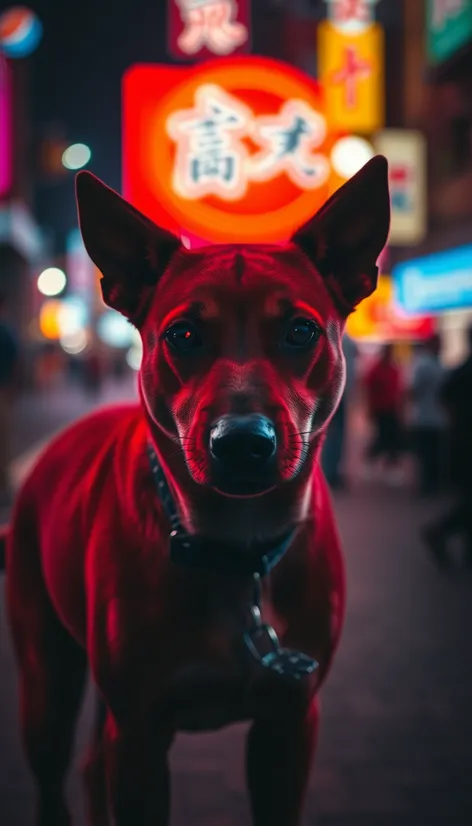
{"x":89,"y":579}
{"x":303,"y":307}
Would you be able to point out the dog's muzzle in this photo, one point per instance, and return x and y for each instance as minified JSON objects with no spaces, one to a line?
{"x":243,"y":452}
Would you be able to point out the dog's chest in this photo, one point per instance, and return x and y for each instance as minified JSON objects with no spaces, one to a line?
{"x":215,"y":684}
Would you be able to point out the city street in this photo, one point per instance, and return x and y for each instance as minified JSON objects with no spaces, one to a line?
{"x":396,"y":732}
{"x":152,"y":174}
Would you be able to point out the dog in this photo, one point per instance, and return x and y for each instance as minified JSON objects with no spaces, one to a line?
{"x":184,"y":549}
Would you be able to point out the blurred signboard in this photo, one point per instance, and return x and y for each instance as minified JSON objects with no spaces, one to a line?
{"x":351,"y":70}
{"x":351,"y":15}
{"x":198,"y":29}
{"x":378,"y":319}
{"x":405,"y":151}
{"x":435,"y":283}
{"x":19,"y":230}
{"x":236,"y":150}
{"x":6,"y":159}
{"x":449,"y":27}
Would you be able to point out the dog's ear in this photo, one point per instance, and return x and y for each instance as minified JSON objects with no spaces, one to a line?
{"x":347,"y":235}
{"x":130,"y":251}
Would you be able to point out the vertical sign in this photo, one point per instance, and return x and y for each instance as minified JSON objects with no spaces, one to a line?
{"x":198,"y":29}
{"x":405,"y":151}
{"x":6,"y":160}
{"x":449,"y":27}
{"x":351,"y":70}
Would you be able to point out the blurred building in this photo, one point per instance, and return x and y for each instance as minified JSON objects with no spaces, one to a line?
{"x":287,"y":30}
{"x":438,"y":101}
{"x":426,"y":134}
{"x":21,"y":240}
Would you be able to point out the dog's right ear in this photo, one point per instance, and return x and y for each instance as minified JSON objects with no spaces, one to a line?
{"x":347,"y":235}
{"x":130,"y":251}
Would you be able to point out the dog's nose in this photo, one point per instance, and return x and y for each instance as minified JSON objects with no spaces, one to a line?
{"x":243,"y":442}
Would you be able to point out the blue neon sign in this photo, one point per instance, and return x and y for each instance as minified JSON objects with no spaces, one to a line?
{"x":429,"y":285}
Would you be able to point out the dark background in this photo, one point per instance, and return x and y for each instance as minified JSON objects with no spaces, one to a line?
{"x":75,"y":78}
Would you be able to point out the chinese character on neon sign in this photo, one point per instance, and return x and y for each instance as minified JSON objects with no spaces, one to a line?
{"x":351,"y":16}
{"x":212,"y":159}
{"x":443,"y":10}
{"x":350,"y":73}
{"x":210,"y":24}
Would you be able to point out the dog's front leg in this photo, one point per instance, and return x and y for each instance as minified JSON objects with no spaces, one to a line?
{"x":137,"y":772}
{"x":280,"y":750}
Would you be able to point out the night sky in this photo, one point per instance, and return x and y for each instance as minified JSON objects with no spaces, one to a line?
{"x":77,"y":68}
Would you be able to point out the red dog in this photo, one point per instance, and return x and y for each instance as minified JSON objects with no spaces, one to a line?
{"x":138,"y":540}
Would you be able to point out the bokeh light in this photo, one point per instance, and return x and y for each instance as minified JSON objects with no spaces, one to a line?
{"x":134,"y":356}
{"x":49,"y":319}
{"x":76,"y":156}
{"x":74,"y":343}
{"x":350,"y":154}
{"x":20,"y":32}
{"x":62,"y":318}
{"x":52,"y":281}
{"x":73,"y":316}
{"x":114,"y":330}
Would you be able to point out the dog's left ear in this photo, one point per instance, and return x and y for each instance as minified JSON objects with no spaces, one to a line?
{"x":130,"y":251}
{"x":347,"y":235}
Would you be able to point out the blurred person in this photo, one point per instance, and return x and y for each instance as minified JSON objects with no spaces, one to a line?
{"x":333,"y":456}
{"x":456,"y":396}
{"x":9,"y":376}
{"x":427,"y":415}
{"x":93,"y":373}
{"x":49,"y":366}
{"x":74,"y":369}
{"x":119,"y":366}
{"x":385,"y":395}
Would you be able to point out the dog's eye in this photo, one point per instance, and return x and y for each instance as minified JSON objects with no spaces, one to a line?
{"x":302,"y":333}
{"x":183,"y":337}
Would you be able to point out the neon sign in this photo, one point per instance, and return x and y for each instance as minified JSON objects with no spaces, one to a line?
{"x":351,"y":70}
{"x":237,"y":149}
{"x":203,"y":27}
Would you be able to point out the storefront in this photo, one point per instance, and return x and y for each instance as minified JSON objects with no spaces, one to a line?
{"x":439,"y":285}
{"x":378,"y":320}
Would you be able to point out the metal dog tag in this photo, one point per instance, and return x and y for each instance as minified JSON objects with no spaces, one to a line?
{"x":286,"y":662}
{"x":290,"y":663}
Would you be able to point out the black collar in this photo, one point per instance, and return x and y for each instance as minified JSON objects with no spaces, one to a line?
{"x":193,"y":551}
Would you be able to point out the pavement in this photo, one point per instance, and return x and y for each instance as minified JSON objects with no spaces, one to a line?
{"x":396,"y":728}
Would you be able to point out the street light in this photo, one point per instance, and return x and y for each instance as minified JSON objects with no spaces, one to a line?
{"x":76,"y":156}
